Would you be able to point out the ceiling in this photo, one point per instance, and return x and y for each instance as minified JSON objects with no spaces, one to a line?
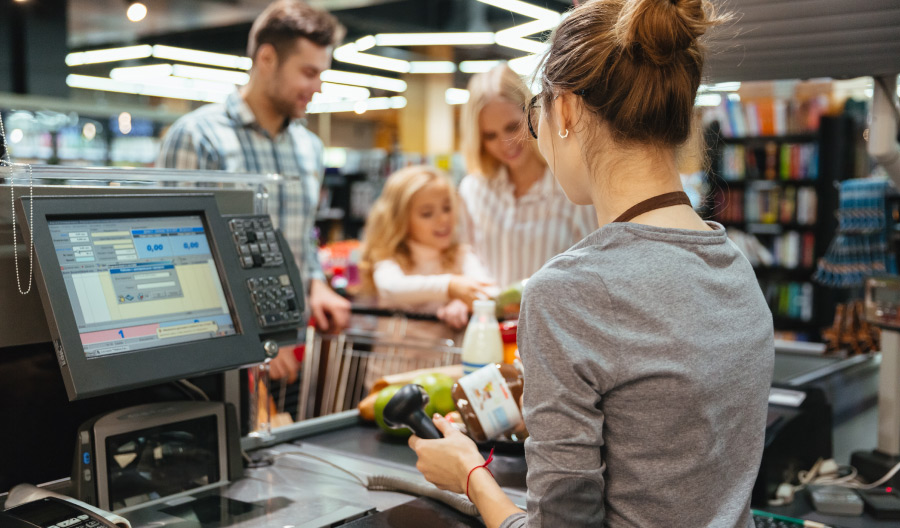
{"x":768,"y":39}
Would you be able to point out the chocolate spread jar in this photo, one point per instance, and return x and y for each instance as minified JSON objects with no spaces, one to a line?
{"x":488,"y":401}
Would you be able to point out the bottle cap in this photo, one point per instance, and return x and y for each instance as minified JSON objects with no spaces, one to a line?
{"x":484,"y":305}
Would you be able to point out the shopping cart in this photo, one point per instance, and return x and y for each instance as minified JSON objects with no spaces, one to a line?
{"x":339,"y":369}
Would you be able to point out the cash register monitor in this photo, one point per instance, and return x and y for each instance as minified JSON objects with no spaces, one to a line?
{"x":139,"y":290}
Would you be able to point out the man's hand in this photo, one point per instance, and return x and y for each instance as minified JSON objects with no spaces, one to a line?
{"x":284,"y":365}
{"x":330,"y":310}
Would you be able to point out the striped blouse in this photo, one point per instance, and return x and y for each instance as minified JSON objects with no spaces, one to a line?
{"x":513,"y":237}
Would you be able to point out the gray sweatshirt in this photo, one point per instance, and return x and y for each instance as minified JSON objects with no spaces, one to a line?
{"x":648,"y":358}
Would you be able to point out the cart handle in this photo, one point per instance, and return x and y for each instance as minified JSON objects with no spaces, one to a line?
{"x":383,"y":312}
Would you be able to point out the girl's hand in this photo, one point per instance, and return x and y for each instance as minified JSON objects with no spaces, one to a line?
{"x":466,"y":289}
{"x":455,"y":314}
{"x":446,"y":462}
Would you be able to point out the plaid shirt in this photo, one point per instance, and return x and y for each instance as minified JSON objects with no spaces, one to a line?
{"x":227,"y":137}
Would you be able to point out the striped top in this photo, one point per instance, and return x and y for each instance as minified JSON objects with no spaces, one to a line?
{"x":513,"y":237}
{"x":227,"y":137}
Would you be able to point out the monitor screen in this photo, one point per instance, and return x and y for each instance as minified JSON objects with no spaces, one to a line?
{"x":140,"y":283}
{"x":140,"y":289}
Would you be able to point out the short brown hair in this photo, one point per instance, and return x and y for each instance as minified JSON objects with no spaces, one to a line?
{"x":636,"y":64}
{"x":285,"y":21}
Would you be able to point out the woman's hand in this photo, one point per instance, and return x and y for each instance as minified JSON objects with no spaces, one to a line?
{"x":455,"y":314}
{"x":446,"y":462}
{"x":466,"y":289}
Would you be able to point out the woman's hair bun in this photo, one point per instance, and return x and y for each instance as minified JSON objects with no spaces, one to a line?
{"x":658,"y":29}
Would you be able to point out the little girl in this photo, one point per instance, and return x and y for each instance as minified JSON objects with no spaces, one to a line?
{"x":412,"y":258}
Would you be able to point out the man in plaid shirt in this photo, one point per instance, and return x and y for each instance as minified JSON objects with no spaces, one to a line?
{"x":257,"y":130}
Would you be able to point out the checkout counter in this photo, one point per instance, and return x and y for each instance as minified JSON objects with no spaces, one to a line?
{"x":293,"y":478}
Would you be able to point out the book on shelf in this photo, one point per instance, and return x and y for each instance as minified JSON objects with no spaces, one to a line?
{"x":772,"y":205}
{"x":792,"y":300}
{"x":791,"y":250}
{"x":768,"y":116}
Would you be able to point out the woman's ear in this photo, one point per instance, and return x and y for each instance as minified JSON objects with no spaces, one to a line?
{"x":565,"y":113}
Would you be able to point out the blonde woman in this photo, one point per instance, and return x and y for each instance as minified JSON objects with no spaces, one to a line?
{"x":412,"y":259}
{"x":516,"y":215}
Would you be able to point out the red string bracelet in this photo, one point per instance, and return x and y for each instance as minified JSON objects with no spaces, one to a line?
{"x":488,"y":461}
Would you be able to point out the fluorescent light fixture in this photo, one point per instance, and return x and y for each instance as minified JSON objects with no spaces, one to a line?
{"x":138,"y":73}
{"x":159,"y":88}
{"x":360,"y":107}
{"x":455,"y":96}
{"x":202,"y":57}
{"x":525,"y":65}
{"x":366,"y":43}
{"x":708,"y":99}
{"x":374,"y":103}
{"x":398,"y":101}
{"x":431,"y":67}
{"x":352,"y":93}
{"x":477,"y":66}
{"x":350,"y":53}
{"x":109,"y":55}
{"x":523,"y":8}
{"x":210,"y":74}
{"x":544,"y":20}
{"x":434,"y":39}
{"x":514,"y":37}
{"x":363,"y":79}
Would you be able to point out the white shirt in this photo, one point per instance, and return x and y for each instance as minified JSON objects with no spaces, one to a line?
{"x":514,"y":237}
{"x":424,"y":288}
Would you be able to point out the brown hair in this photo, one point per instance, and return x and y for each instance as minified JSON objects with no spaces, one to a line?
{"x":387,"y":226}
{"x":498,"y":83}
{"x":636,"y":64}
{"x":284,"y":21}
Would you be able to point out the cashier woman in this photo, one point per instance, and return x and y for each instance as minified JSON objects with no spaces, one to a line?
{"x":648,"y":346}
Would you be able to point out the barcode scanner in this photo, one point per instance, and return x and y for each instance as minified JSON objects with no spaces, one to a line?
{"x":407,"y":409}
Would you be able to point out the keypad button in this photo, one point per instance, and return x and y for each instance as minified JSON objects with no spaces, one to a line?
{"x":270,"y":237}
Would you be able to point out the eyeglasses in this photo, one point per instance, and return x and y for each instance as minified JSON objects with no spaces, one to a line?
{"x":529,"y":114}
{"x":534,"y":107}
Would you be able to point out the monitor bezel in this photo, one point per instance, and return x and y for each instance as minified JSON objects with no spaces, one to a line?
{"x":85,"y":377}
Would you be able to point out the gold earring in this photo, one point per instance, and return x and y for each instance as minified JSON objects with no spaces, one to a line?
{"x":564,"y":136}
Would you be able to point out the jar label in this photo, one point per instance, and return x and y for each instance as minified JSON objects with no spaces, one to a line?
{"x":490,"y":398}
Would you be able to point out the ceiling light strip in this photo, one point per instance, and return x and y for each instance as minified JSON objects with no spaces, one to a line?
{"x":350,"y":53}
{"x":202,"y":57}
{"x":431,"y":67}
{"x":111,"y":85}
{"x":364,"y":79}
{"x":79,"y":58}
{"x":434,"y":39}
{"x":477,"y":66}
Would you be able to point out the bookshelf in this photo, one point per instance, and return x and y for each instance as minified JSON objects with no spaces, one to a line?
{"x":777,"y":196}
